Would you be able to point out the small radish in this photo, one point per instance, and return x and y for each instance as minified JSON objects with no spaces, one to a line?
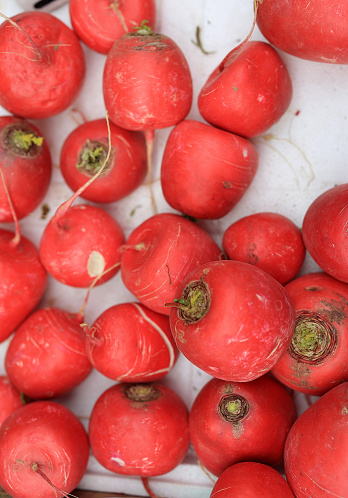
{"x":316,"y":449}
{"x":46,"y":357}
{"x":100,"y":24}
{"x":245,"y":96}
{"x":147,"y":85}
{"x":159,"y":253}
{"x":84,"y":152}
{"x":324,"y":231}
{"x":252,"y":480}
{"x":79,"y":244}
{"x":269,"y":241}
{"x":131,"y":343}
{"x":317,"y":358}
{"x":10,"y":398}
{"x":206,"y":171}
{"x":232,"y":320}
{"x":314,"y":31}
{"x":26,"y":166}
{"x":139,"y":429}
{"x":42,"y":65}
{"x":232,"y":422}
{"x":44,"y":451}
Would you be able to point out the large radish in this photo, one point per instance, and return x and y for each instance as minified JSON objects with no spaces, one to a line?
{"x":232,"y":422}
{"x":42,"y":65}
{"x":232,"y":320}
{"x":44,"y":451}
{"x":158,"y":255}
{"x":316,"y":449}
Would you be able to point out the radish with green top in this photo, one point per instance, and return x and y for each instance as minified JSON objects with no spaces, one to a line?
{"x":26,"y":165}
{"x":147,"y":85}
{"x":232,"y":320}
{"x":232,"y":422}
{"x":84,"y":152}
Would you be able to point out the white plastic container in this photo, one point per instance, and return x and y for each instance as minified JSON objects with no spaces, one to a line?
{"x":300,"y":157}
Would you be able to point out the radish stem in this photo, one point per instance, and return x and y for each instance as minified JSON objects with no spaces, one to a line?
{"x":147,"y":488}
{"x":149,"y":137}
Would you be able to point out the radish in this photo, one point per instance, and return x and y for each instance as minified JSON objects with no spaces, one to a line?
{"x":206,"y":171}
{"x":79,"y":244}
{"x":42,"y":65}
{"x":159,"y":253}
{"x":147,"y":85}
{"x":100,"y":24}
{"x":324,"y":231}
{"x":252,"y":480}
{"x":232,"y":320}
{"x":26,"y":166}
{"x":244,"y":96}
{"x":44,"y":451}
{"x":46,"y":357}
{"x":84,"y":152}
{"x":139,"y":429}
{"x":316,"y":449}
{"x":131,"y":343}
{"x":317,"y":358}
{"x":311,"y":31}
{"x":231,"y":422}
{"x":10,"y":398}
{"x":23,"y":280}
{"x":269,"y":241}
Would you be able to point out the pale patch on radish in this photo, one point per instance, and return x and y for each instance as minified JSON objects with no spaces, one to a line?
{"x":118,"y":460}
{"x":95,"y":264}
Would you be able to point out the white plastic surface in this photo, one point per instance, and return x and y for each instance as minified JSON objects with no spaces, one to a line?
{"x":301,"y":156}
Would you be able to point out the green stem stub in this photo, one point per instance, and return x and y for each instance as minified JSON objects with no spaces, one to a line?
{"x":144,"y":29}
{"x":314,"y":338}
{"x":233,"y":408}
{"x":194,"y":302}
{"x":22,"y":141}
{"x":92,"y":157}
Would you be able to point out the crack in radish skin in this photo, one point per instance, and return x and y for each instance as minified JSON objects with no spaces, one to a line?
{"x":95,"y":264}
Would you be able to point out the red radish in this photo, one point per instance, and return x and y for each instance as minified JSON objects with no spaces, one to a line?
{"x":245,"y":96}
{"x":79,"y":244}
{"x":159,"y":253}
{"x":10,"y":398}
{"x":312,"y":31}
{"x":147,"y":85}
{"x":316,"y":449}
{"x":206,"y":171}
{"x":232,"y":320}
{"x":100,"y":24}
{"x":26,"y":166}
{"x":252,"y":480}
{"x":44,"y":451}
{"x":139,"y":429}
{"x":84,"y":152}
{"x":269,"y":241}
{"x":42,"y":65}
{"x":317,"y":358}
{"x":46,"y":357}
{"x":131,"y":343}
{"x":232,"y":422}
{"x":324,"y":231}
{"x":22,"y":283}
